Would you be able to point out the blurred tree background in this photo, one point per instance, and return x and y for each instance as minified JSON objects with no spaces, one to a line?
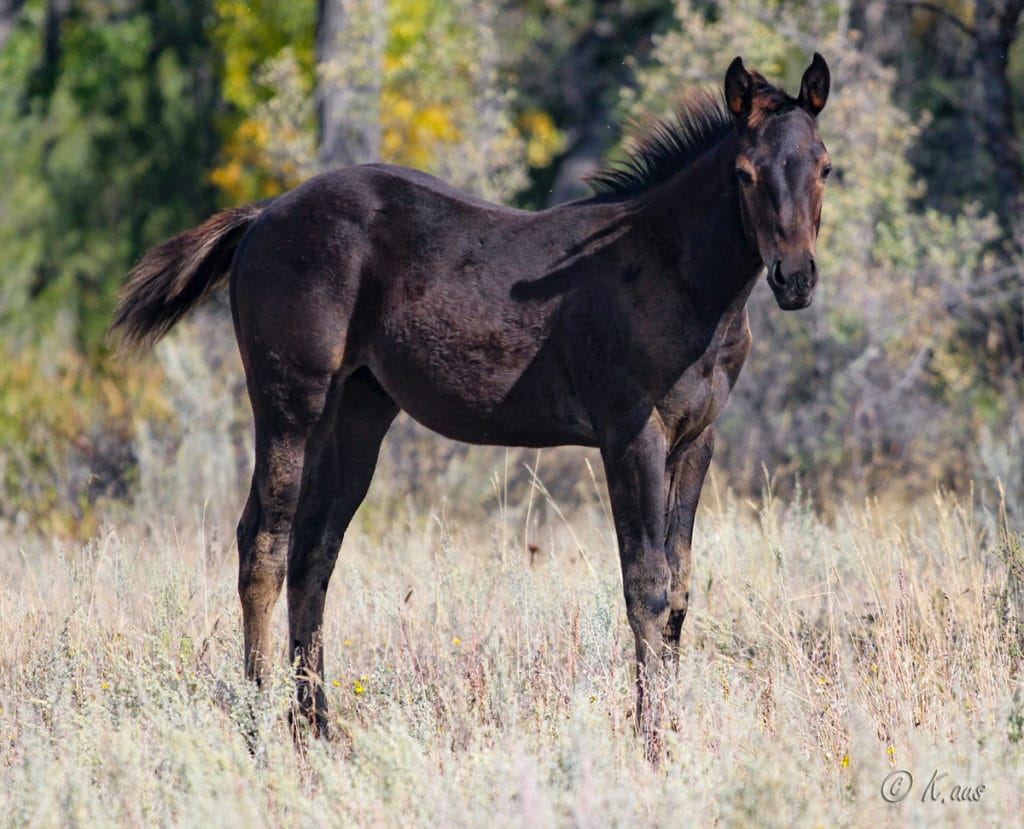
{"x":124,"y":121}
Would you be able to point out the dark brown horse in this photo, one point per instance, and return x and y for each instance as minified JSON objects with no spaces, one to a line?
{"x":618,"y":321}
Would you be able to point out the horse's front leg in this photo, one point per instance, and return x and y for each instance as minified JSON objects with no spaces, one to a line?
{"x":684,"y":478}
{"x":634,"y":462}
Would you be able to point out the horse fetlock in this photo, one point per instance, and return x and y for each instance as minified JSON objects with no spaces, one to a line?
{"x":310,"y":707}
{"x":310,"y":697}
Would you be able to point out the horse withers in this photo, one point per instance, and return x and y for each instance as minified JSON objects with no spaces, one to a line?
{"x":618,"y":321}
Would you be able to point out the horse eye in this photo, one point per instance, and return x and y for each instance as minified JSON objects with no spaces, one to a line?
{"x":826,"y":171}
{"x":744,"y":176}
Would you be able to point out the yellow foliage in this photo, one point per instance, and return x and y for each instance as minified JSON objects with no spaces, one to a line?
{"x":411,"y":135}
{"x":247,"y":173}
{"x":228,"y":178}
{"x":419,"y":116}
{"x":435,"y":73}
{"x":543,"y":139}
{"x":250,"y":33}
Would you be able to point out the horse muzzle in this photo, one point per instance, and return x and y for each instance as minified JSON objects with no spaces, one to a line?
{"x":793,"y":282}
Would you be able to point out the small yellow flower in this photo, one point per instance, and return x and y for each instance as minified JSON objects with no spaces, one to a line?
{"x":358,"y":687}
{"x":823,"y":681}
{"x":104,"y":686}
{"x":347,"y":642}
{"x":336,"y":684}
{"x":456,"y":641}
{"x":846,"y":760}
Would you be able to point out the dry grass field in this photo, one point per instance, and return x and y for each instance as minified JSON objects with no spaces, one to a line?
{"x":477,"y":683}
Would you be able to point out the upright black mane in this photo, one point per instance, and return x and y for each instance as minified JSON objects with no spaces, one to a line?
{"x":661,"y":147}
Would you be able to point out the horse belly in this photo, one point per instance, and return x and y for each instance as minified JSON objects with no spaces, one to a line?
{"x":505,"y":427}
{"x":465,"y":395}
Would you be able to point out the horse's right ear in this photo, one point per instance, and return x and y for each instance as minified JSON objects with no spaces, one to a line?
{"x":739,"y":90}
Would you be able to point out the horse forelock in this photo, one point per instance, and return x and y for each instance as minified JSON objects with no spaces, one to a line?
{"x":768,"y":101}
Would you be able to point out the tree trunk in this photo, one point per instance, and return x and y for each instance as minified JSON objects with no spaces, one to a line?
{"x":9,"y":10}
{"x":44,"y":77}
{"x":349,"y":51}
{"x":995,"y":30}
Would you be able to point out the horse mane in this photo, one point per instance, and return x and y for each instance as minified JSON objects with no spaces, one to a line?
{"x":659,"y":147}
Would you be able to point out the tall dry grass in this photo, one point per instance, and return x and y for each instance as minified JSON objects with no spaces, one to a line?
{"x":476,"y":682}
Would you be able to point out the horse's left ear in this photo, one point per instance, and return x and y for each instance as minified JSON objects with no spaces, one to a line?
{"x":814,"y":86}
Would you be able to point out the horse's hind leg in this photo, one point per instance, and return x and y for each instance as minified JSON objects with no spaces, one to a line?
{"x":330,"y":497}
{"x":287,"y":407}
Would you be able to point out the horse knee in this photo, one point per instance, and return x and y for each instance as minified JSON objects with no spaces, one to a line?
{"x":647,"y":589}
{"x":648,"y":604}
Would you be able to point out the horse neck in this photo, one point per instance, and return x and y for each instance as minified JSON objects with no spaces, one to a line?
{"x":696,"y":215}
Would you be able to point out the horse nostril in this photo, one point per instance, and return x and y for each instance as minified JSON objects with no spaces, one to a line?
{"x":777,"y":273}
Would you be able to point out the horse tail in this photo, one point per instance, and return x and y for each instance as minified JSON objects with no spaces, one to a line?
{"x":174,"y":275}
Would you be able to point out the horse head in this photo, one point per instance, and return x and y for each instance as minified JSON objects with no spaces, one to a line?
{"x":781,"y":167}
